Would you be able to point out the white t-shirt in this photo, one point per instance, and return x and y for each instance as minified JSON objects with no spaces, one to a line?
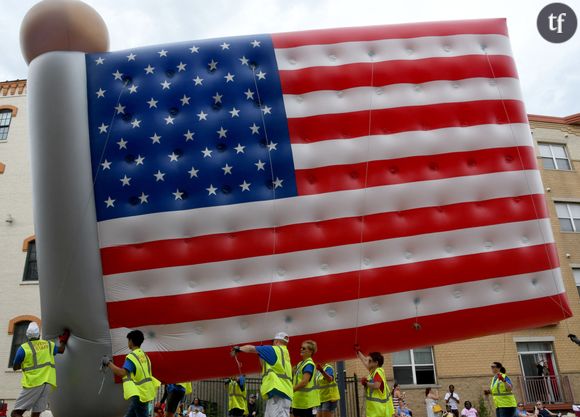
{"x":453,"y":400}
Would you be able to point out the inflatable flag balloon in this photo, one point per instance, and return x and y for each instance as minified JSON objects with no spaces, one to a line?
{"x":351,"y":186}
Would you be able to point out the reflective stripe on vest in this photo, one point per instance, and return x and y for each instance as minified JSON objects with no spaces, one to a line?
{"x":142,"y":383}
{"x":278,"y":376}
{"x":38,"y":365}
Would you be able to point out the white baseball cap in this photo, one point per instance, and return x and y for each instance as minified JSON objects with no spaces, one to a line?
{"x":282,"y":336}
{"x":33,"y":332}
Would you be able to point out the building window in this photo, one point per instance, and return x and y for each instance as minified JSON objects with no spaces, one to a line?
{"x":30,"y":270}
{"x":540,"y":375}
{"x":576,"y":272}
{"x":415,"y":366}
{"x":5,"y":117}
{"x":569,"y":216}
{"x":18,"y":338}
{"x":554,"y":156}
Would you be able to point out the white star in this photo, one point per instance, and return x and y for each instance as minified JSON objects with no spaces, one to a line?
{"x":110,"y":202}
{"x":155,"y":138}
{"x":267,"y":110}
{"x":165,"y":85}
{"x":122,"y":143}
{"x":143,"y":197}
{"x":255,"y":44}
{"x":184,"y":100}
{"x":131,"y":57}
{"x":260,"y":165}
{"x":194,"y":49}
{"x":212,"y":65}
{"x":173,"y":157}
{"x":227,"y":169}
{"x":245,"y":186}
{"x":239,"y":149}
{"x":202,"y":115}
{"x":229,"y":77}
{"x":272,"y":146}
{"x":161,"y":53}
{"x":106,"y":165}
{"x":136,"y":123}
{"x":152,"y":103}
{"x":277,"y":183}
{"x":222,"y":132}
{"x":197,"y":80}
{"x":188,"y":135}
{"x":169,"y":120}
{"x":244,"y":60}
{"x":255,"y":129}
{"x":217,"y":98}
{"x":249,"y":94}
{"x":193,"y":172}
{"x":211,"y":190}
{"x":118,"y":75}
{"x":139,"y":160}
{"x":133,"y":89}
{"x":100,"y":61}
{"x":101,"y":93}
{"x":120,"y":108}
{"x":178,"y":194}
{"x":225,"y":46}
{"x":103,"y":128}
{"x":149,"y":69}
{"x":206,"y":153}
{"x":159,"y":176}
{"x":261,"y":75}
{"x":125,"y":180}
{"x":234,"y":112}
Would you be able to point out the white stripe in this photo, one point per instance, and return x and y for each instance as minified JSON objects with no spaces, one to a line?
{"x":406,"y":144}
{"x":319,"y":262}
{"x":390,"y":50}
{"x":312,"y":208}
{"x":342,"y":315}
{"x":400,"y":95}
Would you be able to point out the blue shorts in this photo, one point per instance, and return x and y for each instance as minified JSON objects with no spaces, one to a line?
{"x":328,"y":406}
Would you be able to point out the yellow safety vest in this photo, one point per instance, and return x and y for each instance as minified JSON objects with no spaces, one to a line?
{"x":141,"y":383}
{"x":187,"y":386}
{"x":379,"y":404}
{"x":328,"y":389}
{"x":501,"y":396}
{"x":308,"y":396}
{"x":38,"y":364}
{"x":237,"y":397}
{"x":277,"y":376}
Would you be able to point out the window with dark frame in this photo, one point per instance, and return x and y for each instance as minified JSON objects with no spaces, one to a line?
{"x":18,"y":338}
{"x":414,"y":367}
{"x":554,"y":156}
{"x":5,"y":118}
{"x":30,"y":269}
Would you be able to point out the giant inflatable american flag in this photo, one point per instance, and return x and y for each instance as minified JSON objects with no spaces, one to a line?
{"x":371,"y":185}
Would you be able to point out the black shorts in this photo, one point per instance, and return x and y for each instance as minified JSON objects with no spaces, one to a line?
{"x":173,"y":399}
{"x":302,"y":412}
{"x":236,"y":412}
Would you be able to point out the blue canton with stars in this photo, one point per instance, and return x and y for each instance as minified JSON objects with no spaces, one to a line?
{"x":187,"y":125}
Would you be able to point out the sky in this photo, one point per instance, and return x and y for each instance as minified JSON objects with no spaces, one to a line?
{"x":549,"y":73}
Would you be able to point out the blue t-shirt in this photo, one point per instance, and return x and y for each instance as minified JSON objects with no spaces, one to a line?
{"x":19,"y":357}
{"x":173,"y":387}
{"x":308,"y":369}
{"x":329,"y":371}
{"x":129,"y":367}
{"x":268,"y":354}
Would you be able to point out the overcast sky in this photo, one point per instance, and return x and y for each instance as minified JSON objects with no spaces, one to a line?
{"x":549,"y":73}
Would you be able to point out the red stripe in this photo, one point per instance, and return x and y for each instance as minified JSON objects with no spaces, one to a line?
{"x":400,"y":31}
{"x":401,"y":119}
{"x":384,"y":337}
{"x":343,"y":231}
{"x":290,"y":294}
{"x":395,"y":72}
{"x":411,"y":169}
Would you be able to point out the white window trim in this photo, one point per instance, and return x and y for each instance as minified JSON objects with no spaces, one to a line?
{"x":413,"y":367}
{"x":527,"y":339}
{"x":563,"y":145}
{"x":571,"y":218}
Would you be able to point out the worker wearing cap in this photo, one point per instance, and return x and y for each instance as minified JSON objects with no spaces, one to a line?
{"x":36,"y":359}
{"x":277,"y":385}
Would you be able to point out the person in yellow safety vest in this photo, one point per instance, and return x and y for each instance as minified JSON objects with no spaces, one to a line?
{"x":306,"y":394}
{"x":174,"y":393}
{"x":328,"y":389}
{"x":379,"y":402}
{"x":276,"y":374}
{"x":139,"y":384}
{"x":237,"y":397}
{"x":501,"y":390}
{"x":36,"y":359}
